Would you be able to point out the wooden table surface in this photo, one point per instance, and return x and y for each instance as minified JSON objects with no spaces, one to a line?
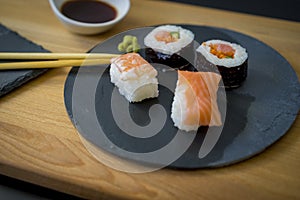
{"x":39,"y":144}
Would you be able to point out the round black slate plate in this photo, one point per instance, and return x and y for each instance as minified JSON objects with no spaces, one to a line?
{"x":258,"y":113}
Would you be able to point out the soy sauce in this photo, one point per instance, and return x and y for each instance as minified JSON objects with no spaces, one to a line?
{"x":89,"y":11}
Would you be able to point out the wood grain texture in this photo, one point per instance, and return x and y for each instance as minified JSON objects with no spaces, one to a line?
{"x":39,"y":144}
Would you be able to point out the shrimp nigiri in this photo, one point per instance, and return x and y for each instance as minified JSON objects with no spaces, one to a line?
{"x":134,"y":76}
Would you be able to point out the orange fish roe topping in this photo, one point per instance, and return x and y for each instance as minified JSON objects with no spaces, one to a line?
{"x":222,"y":50}
{"x":165,"y":36}
{"x":131,"y":60}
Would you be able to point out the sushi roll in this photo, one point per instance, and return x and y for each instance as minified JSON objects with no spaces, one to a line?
{"x":134,"y":77}
{"x":170,"y":45}
{"x":195,"y":100}
{"x":229,"y":59}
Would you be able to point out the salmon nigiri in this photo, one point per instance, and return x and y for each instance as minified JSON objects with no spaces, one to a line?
{"x":195,"y":100}
{"x":134,"y":76}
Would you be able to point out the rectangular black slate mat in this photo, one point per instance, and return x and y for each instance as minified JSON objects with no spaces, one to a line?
{"x":11,"y":41}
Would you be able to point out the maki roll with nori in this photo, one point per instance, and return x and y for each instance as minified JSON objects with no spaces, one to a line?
{"x":170,"y":45}
{"x":228,"y":59}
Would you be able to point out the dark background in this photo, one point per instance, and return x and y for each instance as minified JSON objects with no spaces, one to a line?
{"x":288,"y":10}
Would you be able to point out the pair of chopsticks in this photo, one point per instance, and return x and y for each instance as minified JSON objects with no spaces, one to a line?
{"x":52,"y":60}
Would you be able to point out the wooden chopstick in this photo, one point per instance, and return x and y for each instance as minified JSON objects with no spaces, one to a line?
{"x":53,"y":60}
{"x":53,"y":56}
{"x":53,"y":64}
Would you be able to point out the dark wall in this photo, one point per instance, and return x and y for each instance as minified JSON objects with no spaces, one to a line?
{"x":285,"y":9}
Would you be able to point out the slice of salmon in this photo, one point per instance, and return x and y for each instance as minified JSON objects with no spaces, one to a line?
{"x":201,"y":96}
{"x":165,"y":36}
